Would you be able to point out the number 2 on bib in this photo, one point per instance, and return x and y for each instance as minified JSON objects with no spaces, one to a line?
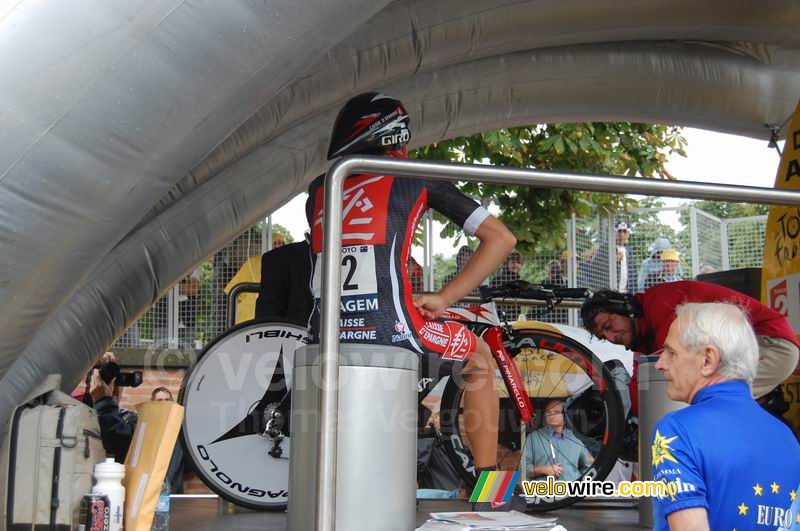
{"x":359,"y":282}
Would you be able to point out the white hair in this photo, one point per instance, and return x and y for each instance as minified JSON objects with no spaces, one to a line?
{"x":727,"y":327}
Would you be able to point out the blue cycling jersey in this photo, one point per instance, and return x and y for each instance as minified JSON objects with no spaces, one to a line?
{"x":726,"y":454}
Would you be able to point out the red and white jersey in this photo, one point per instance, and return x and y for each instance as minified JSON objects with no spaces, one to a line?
{"x":381,"y":214}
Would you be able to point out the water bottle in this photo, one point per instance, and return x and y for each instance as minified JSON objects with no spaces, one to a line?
{"x":109,"y":476}
{"x":161,"y":517}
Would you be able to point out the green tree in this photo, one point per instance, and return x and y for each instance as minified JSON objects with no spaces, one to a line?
{"x":725,"y":210}
{"x":537,"y":215}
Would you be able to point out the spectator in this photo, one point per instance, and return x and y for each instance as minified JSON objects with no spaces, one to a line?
{"x":284,"y":292}
{"x":416,"y":274}
{"x":555,"y":275}
{"x":668,"y":272}
{"x":652,"y":264}
{"x":553,"y":449}
{"x":278,"y":241}
{"x":599,"y":263}
{"x":725,"y":463}
{"x":116,"y":425}
{"x":706,"y":269}
{"x":176,"y":461}
{"x":641,"y":322}
{"x":510,"y":270}
{"x":565,"y":257}
{"x":626,"y":271}
{"x":509,"y":273}
{"x":462,"y":257}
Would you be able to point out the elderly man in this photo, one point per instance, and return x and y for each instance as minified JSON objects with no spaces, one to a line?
{"x":554,"y":450}
{"x":725,"y":462}
{"x":641,"y":322}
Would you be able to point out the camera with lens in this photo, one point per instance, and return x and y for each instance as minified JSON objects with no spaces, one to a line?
{"x":111,"y":370}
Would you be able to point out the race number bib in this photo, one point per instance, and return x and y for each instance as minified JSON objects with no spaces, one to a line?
{"x":359,"y":282}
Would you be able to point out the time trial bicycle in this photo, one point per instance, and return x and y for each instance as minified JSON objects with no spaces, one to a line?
{"x":237,"y":399}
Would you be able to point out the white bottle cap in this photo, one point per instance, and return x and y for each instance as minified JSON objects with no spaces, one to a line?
{"x":109,"y":469}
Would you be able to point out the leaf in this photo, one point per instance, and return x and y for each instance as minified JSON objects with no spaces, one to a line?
{"x":537,"y":216}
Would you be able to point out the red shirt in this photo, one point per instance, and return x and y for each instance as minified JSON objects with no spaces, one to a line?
{"x":659,"y":304}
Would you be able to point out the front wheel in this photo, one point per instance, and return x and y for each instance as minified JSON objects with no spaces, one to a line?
{"x":558,"y":373}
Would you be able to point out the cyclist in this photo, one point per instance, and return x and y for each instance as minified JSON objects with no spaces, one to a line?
{"x":381,"y":214}
{"x":641,"y":322}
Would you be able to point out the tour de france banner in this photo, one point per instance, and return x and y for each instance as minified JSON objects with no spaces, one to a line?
{"x":780,"y":279}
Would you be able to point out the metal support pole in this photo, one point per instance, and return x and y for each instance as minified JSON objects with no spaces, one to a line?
{"x":329,"y":344}
{"x":572,"y":274}
{"x":611,"y":241}
{"x":726,"y":256}
{"x":173,"y":318}
{"x":694,"y":241}
{"x":332,"y":243}
{"x":269,"y":233}
{"x":428,"y":267}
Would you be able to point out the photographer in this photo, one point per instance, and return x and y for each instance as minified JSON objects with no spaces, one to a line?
{"x":116,"y":425}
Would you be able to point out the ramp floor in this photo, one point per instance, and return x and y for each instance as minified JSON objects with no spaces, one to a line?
{"x":208,"y":513}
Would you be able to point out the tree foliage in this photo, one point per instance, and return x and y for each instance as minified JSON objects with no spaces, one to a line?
{"x":725,"y":210}
{"x":536,"y":215}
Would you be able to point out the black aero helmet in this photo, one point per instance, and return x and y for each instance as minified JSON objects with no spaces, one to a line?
{"x":369,"y":123}
{"x":608,"y":301}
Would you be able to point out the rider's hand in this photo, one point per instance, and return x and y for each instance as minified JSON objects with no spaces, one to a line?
{"x":98,"y":388}
{"x":430,"y":305}
{"x":556,"y":470}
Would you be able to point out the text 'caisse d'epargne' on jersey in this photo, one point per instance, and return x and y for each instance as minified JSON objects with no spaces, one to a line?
{"x":380,"y":216}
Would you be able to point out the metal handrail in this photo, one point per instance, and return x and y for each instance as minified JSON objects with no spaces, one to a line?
{"x":243,"y":287}
{"x":331,"y":270}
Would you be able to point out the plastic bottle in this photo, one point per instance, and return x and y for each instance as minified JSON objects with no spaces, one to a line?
{"x":161,"y":516}
{"x":109,"y":476}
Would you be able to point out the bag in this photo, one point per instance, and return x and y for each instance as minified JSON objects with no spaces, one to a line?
{"x":148,"y":459}
{"x":434,"y":468}
{"x":47,"y":458}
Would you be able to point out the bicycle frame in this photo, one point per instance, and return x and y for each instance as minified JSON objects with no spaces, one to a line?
{"x":484,"y":322}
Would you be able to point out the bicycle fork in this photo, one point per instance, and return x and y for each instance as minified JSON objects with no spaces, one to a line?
{"x":510,"y":373}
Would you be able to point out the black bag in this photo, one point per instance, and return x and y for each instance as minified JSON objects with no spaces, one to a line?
{"x":434,"y":469}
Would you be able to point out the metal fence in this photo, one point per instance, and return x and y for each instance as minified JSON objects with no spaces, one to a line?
{"x":194,"y":310}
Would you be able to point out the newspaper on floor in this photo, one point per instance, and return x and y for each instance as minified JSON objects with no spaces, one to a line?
{"x":436,"y":525}
{"x":487,"y":521}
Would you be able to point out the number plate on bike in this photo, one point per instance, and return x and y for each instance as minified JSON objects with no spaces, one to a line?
{"x":359,"y":282}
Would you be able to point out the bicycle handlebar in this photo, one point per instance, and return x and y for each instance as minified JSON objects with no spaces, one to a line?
{"x":519,"y":289}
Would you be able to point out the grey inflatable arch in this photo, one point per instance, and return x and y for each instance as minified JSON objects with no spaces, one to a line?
{"x":136,"y":138}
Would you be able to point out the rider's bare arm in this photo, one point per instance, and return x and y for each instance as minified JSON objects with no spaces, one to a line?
{"x":496,"y":242}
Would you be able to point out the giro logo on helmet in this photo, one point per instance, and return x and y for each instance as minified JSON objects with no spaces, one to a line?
{"x":398,"y":138}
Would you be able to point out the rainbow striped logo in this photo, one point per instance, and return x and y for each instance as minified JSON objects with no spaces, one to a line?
{"x":495,"y":487}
